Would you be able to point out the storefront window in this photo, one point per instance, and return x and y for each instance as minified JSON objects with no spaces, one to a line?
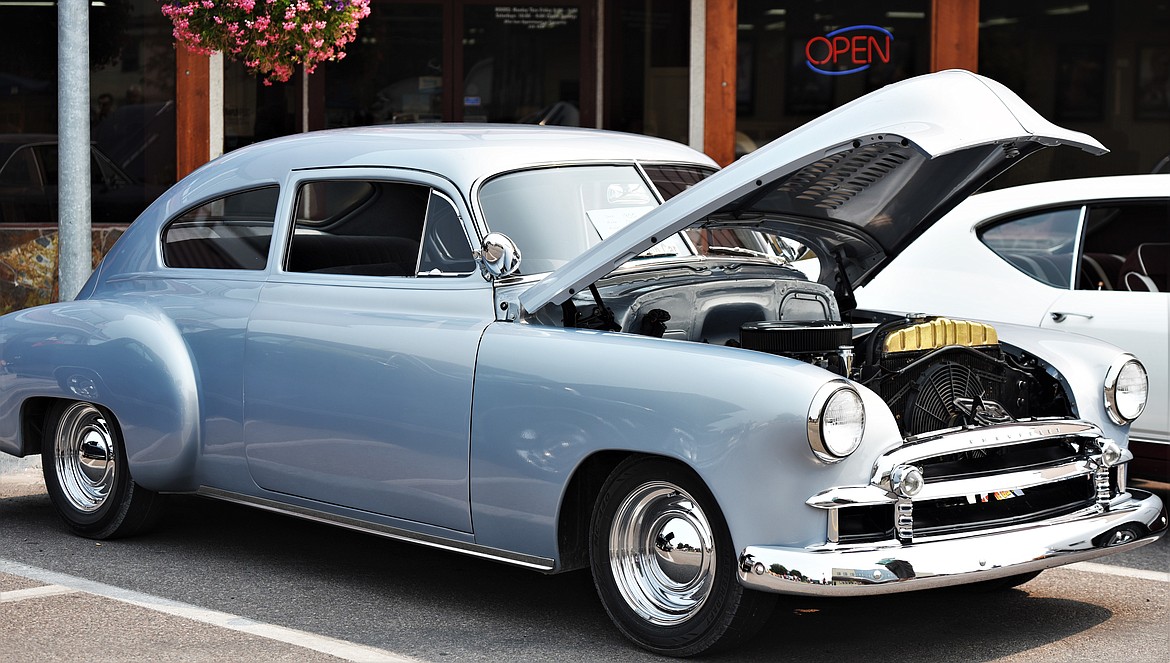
{"x":462,"y":60}
{"x":132,"y":130}
{"x":521,"y":63}
{"x":1097,"y":66}
{"x":392,"y":73}
{"x":132,"y":120}
{"x":798,"y":60}
{"x":648,"y":67}
{"x":252,"y":111}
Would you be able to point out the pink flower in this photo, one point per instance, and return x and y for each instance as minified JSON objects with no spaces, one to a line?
{"x":270,"y":38}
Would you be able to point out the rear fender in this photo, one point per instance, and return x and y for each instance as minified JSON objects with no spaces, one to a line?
{"x":132,"y":361}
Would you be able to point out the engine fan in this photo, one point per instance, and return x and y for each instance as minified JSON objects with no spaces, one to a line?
{"x":933,"y":401}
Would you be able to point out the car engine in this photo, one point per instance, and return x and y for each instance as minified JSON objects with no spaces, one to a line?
{"x":933,"y":372}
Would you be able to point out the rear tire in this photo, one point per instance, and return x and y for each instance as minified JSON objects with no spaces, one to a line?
{"x":87,"y":476}
{"x":663,"y":562}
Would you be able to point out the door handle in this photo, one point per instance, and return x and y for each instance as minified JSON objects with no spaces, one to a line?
{"x":1059,"y":316}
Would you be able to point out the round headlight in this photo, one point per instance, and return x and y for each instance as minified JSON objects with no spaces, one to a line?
{"x":836,"y":421}
{"x":1126,"y":389}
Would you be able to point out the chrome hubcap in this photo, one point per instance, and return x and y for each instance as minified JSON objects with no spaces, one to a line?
{"x":84,"y":457}
{"x":662,"y":553}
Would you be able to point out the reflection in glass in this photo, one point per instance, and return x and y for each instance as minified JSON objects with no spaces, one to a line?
{"x":522,"y":64}
{"x":555,"y":214}
{"x":392,"y":73}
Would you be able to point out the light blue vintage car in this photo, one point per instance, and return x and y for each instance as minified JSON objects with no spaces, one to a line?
{"x":499,"y":341}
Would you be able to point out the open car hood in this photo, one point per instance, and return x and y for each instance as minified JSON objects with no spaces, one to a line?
{"x":856,"y":185}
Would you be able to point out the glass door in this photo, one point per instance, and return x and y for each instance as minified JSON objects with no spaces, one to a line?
{"x":466,"y":60}
{"x":393,"y":71}
{"x":522,"y":63}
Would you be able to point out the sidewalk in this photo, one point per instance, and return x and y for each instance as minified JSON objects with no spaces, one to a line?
{"x":20,"y":476}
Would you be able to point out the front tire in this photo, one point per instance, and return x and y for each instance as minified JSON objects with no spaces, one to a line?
{"x":664,"y":565}
{"x":88,"y":477}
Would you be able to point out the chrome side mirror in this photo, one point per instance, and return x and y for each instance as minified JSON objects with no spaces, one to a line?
{"x":497,"y":257}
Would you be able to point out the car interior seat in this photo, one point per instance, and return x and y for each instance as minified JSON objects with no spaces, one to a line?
{"x":1100,"y":271}
{"x":1145,"y":268}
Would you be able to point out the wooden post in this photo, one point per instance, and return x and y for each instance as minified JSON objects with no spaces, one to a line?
{"x":719,"y":97}
{"x":192,"y":111}
{"x":955,"y":35}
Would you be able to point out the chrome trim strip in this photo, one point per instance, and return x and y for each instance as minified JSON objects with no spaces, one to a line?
{"x":993,"y":484}
{"x":870,"y":495}
{"x":904,"y":519}
{"x":850,"y":496}
{"x":889,"y":567}
{"x":1101,"y":481}
{"x":989,"y":437}
{"x":397,"y":533}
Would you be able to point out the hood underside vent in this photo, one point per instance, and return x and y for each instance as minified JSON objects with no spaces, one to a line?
{"x":834,"y":180}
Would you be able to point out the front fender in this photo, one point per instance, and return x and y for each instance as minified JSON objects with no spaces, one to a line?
{"x":548,"y":398}
{"x":131,"y":360}
{"x":1079,"y":362}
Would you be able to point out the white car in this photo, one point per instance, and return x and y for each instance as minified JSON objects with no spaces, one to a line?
{"x":1087,"y":255}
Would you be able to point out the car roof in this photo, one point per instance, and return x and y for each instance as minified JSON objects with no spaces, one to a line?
{"x":1073,"y":191}
{"x":10,"y":143}
{"x":462,"y":153}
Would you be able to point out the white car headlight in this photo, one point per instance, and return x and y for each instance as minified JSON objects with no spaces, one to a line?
{"x":836,"y":421}
{"x":1126,"y":389}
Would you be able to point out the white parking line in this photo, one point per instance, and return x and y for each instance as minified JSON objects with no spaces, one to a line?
{"x":60,"y":583}
{"x":35,"y":593}
{"x":1123,"y":571}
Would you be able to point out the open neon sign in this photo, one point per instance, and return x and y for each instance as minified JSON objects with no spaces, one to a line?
{"x":856,"y":48}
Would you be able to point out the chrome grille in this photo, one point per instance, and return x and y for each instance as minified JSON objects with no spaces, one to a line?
{"x":977,"y":479}
{"x":975,"y":512}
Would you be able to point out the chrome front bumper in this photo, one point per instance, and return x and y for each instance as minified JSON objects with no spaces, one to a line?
{"x":1131,"y":520}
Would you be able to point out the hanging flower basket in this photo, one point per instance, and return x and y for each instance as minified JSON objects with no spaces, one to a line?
{"x":270,"y":37}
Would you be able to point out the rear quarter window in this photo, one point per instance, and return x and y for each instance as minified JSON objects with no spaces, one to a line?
{"x":232,"y":232}
{"x":1042,"y":245}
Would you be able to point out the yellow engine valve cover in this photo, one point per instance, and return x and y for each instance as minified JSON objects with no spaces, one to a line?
{"x":939,"y":333}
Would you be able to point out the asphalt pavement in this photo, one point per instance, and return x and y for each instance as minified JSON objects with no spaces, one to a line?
{"x":53,"y":616}
{"x":183,"y":593}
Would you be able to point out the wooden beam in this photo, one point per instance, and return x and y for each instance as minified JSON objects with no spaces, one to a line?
{"x":955,"y":29}
{"x":192,"y":111}
{"x":719,"y":96}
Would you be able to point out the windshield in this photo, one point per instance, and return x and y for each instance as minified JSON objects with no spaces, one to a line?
{"x":555,"y":214}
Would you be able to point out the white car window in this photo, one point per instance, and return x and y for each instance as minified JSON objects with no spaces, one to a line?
{"x":1041,"y":245}
{"x":1126,"y":246}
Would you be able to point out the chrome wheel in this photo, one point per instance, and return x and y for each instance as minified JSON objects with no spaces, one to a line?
{"x":662,"y":553}
{"x":85,"y":457}
{"x":663,"y":562}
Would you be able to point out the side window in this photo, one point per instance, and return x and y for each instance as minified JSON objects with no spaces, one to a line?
{"x":232,"y":232}
{"x":360,"y":227}
{"x":1126,"y":247}
{"x":47,"y":156}
{"x":673,"y":180}
{"x":19,"y":170}
{"x":1041,"y":245}
{"x":445,"y":249}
